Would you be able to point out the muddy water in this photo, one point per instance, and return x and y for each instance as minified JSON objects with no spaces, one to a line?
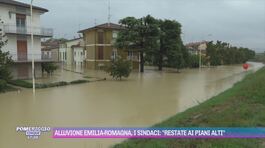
{"x":140,"y":101}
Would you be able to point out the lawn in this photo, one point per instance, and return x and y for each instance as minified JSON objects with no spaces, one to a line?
{"x":241,"y":106}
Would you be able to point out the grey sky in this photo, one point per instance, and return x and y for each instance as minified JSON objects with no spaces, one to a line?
{"x":240,"y":22}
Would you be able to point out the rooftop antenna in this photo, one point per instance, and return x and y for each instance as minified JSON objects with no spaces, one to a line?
{"x":109,"y":16}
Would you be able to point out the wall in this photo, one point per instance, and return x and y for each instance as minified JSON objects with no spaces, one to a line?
{"x":12,"y":39}
{"x":4,"y":15}
{"x":79,"y":55}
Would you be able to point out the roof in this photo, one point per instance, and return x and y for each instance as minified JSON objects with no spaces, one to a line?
{"x":16,"y":3}
{"x":104,"y":26}
{"x":74,"y":39}
{"x":50,"y":48}
{"x":196,"y":44}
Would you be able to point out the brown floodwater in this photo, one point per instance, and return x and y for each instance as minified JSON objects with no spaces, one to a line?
{"x":139,"y":101}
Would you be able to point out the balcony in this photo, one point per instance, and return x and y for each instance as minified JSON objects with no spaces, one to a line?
{"x":43,"y":57}
{"x":37,"y":31}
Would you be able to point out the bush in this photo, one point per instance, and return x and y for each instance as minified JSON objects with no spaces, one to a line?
{"x":3,"y":85}
{"x":119,"y":68}
{"x":48,"y":67}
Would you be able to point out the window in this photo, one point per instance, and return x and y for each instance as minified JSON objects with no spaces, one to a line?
{"x":100,"y":37}
{"x":130,"y":55}
{"x":100,"y":52}
{"x":114,"y":54}
{"x":114,"y":34}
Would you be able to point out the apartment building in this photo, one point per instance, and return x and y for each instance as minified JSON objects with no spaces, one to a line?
{"x":17,"y":26}
{"x":99,"y":45}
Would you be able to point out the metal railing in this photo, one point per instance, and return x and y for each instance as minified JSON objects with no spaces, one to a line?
{"x":43,"y":57}
{"x":39,"y":31}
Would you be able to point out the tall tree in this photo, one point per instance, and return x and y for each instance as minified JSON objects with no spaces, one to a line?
{"x":139,"y":35}
{"x":173,"y":45}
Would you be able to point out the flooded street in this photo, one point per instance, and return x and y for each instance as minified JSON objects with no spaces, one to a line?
{"x":140,"y":101}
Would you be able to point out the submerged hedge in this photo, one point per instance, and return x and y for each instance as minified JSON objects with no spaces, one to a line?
{"x":25,"y":84}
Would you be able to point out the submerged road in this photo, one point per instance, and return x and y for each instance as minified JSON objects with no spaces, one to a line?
{"x":140,"y":101}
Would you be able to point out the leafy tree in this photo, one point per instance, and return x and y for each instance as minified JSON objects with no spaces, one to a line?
{"x":223,"y":53}
{"x":139,"y":35}
{"x":119,"y":68}
{"x":171,"y":46}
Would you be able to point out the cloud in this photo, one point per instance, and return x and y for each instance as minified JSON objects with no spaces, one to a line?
{"x":240,"y":22}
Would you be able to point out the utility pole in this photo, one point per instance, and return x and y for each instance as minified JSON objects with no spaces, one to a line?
{"x":32,"y":46}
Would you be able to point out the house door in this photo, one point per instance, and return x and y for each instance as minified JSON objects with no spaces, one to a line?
{"x":22,"y":50}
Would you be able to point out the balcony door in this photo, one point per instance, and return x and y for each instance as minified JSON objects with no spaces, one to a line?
{"x":22,"y":50}
{"x":21,"y":23}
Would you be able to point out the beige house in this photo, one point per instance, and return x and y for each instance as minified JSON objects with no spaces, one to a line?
{"x":99,"y":45}
{"x":197,"y":47}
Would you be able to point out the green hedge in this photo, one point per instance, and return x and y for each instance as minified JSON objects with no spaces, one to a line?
{"x":79,"y":81}
{"x":20,"y":83}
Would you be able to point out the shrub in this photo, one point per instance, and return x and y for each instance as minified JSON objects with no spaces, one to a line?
{"x":3,"y":85}
{"x":48,"y":67}
{"x":119,"y":68}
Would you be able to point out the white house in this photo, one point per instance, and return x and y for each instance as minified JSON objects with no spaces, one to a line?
{"x":18,"y":28}
{"x":79,"y":55}
{"x":72,"y":52}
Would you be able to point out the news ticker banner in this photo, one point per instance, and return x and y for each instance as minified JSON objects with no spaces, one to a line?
{"x":157,"y":133}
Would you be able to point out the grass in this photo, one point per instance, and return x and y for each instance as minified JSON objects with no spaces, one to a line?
{"x":8,"y":88}
{"x":241,"y":106}
{"x":27,"y":84}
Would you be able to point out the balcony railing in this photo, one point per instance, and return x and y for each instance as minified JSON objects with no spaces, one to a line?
{"x":43,"y":57}
{"x":39,"y":31}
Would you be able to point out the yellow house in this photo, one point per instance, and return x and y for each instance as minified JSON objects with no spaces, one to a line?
{"x":99,"y":45}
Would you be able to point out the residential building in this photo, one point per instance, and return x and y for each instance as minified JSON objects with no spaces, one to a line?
{"x":50,"y":49}
{"x":18,"y":28}
{"x":99,"y":45}
{"x":197,"y":47}
{"x":72,"y":52}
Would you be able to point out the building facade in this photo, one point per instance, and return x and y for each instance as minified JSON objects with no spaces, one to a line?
{"x":99,"y":45}
{"x":17,"y":27}
{"x":71,"y":52}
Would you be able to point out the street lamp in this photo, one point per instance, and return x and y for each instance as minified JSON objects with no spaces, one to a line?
{"x":32,"y":44}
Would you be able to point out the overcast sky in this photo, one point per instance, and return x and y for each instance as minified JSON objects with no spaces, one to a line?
{"x":240,"y":22}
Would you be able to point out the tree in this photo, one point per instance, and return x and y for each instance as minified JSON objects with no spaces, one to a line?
{"x":170,"y":50}
{"x":223,"y":53}
{"x":119,"y":68}
{"x":5,"y":58}
{"x":139,"y":35}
